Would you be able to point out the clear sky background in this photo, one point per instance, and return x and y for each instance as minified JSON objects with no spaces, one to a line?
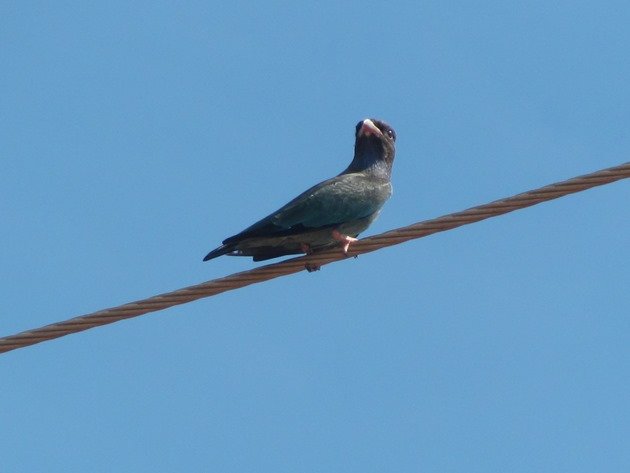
{"x":135,"y":136}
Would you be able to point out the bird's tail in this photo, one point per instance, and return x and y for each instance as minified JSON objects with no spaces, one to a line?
{"x":222,"y":250}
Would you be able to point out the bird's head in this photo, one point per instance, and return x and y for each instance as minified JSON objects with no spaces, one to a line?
{"x":374,"y":147}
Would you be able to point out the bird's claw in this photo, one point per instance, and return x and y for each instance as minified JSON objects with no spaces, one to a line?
{"x":345,"y":240}
{"x":310,"y":267}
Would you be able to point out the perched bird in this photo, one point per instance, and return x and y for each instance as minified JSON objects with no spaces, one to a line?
{"x":331,"y":213}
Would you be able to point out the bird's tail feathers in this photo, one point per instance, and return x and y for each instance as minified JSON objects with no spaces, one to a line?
{"x":220,"y":251}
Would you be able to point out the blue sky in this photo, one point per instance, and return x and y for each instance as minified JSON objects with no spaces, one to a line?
{"x":137,"y":135}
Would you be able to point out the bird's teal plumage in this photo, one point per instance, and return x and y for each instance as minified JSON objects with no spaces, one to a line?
{"x":341,"y":199}
{"x":347,"y":203}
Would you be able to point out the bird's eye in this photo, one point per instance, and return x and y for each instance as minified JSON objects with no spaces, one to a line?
{"x":391,"y":134}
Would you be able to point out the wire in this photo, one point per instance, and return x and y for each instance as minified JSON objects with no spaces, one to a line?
{"x":294,"y":265}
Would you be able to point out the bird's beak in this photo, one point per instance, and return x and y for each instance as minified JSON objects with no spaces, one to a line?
{"x":369,"y":128}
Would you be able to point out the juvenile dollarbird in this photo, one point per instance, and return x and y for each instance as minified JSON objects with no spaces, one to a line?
{"x":330,"y":213}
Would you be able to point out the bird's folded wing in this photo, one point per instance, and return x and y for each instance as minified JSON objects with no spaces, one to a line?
{"x":341,"y":199}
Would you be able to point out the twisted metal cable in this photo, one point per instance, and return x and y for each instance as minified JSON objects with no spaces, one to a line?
{"x":294,"y":265}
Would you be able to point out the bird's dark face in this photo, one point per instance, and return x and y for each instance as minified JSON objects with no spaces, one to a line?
{"x":372,"y":126}
{"x":374,"y":145}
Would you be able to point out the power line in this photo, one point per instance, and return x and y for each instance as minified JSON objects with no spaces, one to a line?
{"x":294,"y":265}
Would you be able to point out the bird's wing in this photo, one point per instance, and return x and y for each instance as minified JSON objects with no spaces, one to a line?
{"x":341,"y":199}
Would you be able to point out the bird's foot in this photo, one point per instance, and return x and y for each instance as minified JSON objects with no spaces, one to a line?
{"x":310,"y":267}
{"x":345,"y":240}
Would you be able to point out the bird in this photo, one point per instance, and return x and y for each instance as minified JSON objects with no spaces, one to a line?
{"x":331,"y":213}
